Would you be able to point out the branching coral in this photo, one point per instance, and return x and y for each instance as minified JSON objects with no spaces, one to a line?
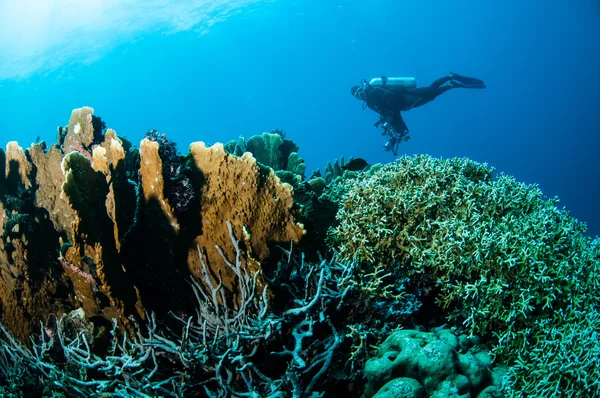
{"x":507,"y":261}
{"x":221,"y":351}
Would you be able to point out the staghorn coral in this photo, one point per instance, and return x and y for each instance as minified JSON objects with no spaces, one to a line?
{"x":501,"y":258}
{"x":220,"y":351}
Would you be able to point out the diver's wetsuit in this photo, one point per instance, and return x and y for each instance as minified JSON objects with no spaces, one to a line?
{"x":390,"y":101}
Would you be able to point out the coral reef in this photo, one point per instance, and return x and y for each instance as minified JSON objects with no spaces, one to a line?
{"x":90,"y":225}
{"x":218,"y":352}
{"x":222,"y":271}
{"x":499,"y":258}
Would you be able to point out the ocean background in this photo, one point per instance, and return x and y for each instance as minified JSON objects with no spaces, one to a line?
{"x":216,"y":70}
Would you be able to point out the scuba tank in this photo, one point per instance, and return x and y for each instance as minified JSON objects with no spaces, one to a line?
{"x":394,"y":82}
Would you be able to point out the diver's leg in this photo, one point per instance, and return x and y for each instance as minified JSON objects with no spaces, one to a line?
{"x":438,"y":82}
{"x":427,"y":94}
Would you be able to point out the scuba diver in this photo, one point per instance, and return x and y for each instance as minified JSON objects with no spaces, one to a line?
{"x":390,"y":96}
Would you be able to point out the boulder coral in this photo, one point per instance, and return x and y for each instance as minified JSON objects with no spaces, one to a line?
{"x":414,"y":364}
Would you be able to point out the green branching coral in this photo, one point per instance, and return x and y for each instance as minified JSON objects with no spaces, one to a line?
{"x":507,"y":261}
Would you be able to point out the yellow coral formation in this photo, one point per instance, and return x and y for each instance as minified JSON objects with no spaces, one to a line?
{"x":110,"y":151}
{"x":152,"y":179}
{"x":49,"y":178}
{"x":258,"y":205}
{"x":80,"y":130}
{"x":100,"y":161}
{"x":83,"y":198}
{"x":25,"y":292}
{"x":93,"y":237}
{"x":2,"y":221}
{"x":14,"y":153}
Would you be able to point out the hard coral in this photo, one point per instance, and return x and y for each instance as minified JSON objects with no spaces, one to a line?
{"x":80,"y":132}
{"x":437,"y":364}
{"x":509,"y":264}
{"x":15,"y":159}
{"x":30,"y":283}
{"x":252,"y":198}
{"x":271,"y":150}
{"x":102,"y":232}
{"x":49,"y":178}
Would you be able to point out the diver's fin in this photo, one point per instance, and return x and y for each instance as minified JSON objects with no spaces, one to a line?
{"x":457,"y":84}
{"x":468,"y":82}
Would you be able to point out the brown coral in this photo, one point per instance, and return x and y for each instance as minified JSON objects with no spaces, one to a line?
{"x":80,"y":133}
{"x":49,"y":178}
{"x":78,"y":233}
{"x":152,"y":178}
{"x":256,"y":202}
{"x":16,"y":160}
{"x":108,"y":157}
{"x":30,"y":285}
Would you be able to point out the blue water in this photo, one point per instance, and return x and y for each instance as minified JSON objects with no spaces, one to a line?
{"x":218,"y":70}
